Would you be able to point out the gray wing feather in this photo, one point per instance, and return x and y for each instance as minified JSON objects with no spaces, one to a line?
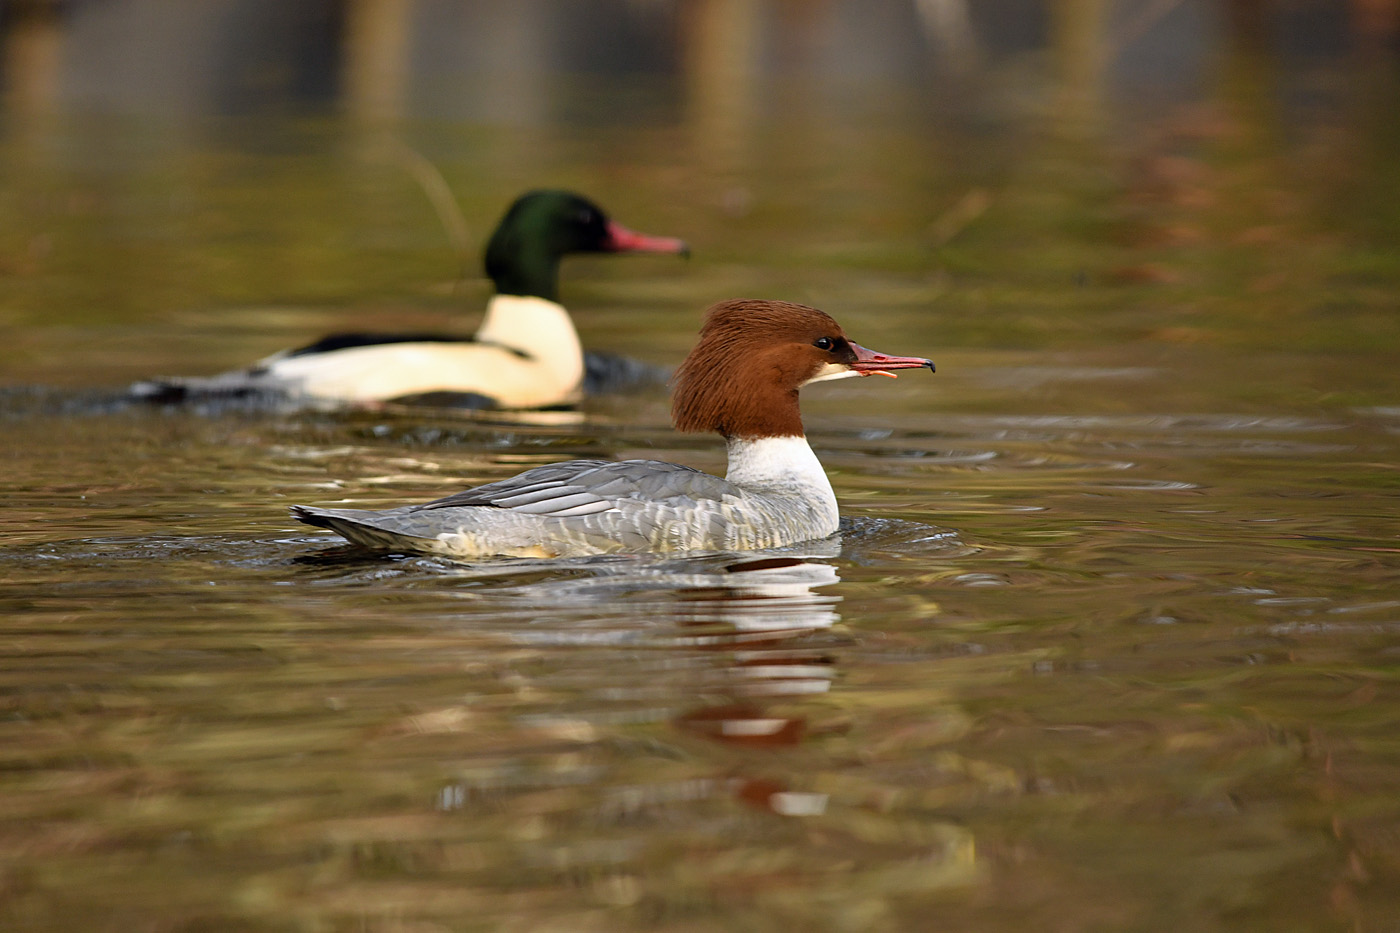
{"x":583,"y":508}
{"x":546,"y":494}
{"x":564,"y":502}
{"x":586,"y":487}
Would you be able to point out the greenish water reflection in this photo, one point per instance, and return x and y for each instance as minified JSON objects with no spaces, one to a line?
{"x":1110,"y":640}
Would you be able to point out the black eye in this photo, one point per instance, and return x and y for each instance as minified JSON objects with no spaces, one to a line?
{"x":824,"y":343}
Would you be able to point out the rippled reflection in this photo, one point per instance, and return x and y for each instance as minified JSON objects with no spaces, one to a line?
{"x":723,"y":632}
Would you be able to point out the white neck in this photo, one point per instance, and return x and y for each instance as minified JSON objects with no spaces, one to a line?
{"x":783,"y":465}
{"x":542,"y":329}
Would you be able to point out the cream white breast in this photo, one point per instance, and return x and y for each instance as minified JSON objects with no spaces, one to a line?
{"x":526,"y":355}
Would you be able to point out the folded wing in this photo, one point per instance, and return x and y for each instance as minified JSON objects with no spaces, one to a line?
{"x":587,"y":487}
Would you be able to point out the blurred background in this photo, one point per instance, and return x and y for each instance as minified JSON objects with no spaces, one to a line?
{"x":1025,"y":169}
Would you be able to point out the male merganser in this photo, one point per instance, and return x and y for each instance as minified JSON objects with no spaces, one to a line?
{"x":741,"y":381}
{"x":525,"y":354}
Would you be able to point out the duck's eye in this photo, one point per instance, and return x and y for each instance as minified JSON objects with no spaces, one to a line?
{"x":824,"y":343}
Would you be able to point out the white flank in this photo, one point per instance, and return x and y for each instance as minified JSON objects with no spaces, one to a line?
{"x":549,"y":374}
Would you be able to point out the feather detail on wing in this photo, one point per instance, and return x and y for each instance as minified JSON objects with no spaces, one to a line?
{"x":586,"y":487}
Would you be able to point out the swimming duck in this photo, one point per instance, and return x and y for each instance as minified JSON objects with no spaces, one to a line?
{"x":740,"y":381}
{"x":525,"y":354}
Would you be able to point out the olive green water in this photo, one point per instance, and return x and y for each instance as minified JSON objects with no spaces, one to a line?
{"x":1111,"y":640}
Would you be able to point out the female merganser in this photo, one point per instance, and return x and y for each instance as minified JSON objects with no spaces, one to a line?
{"x":741,"y":381}
{"x":525,"y":354}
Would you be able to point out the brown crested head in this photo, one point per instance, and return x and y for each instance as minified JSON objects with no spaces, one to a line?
{"x":741,"y":380}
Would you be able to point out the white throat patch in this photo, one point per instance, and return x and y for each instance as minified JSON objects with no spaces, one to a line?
{"x":832,"y":371}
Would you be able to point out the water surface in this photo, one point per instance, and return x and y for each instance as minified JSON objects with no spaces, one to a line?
{"x":1108,"y":639}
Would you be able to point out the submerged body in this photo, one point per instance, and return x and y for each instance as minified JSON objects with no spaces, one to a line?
{"x":741,"y":381}
{"x":525,"y":354}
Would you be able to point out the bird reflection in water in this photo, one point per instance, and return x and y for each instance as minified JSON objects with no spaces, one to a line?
{"x":743,"y":639}
{"x":766,"y":617}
